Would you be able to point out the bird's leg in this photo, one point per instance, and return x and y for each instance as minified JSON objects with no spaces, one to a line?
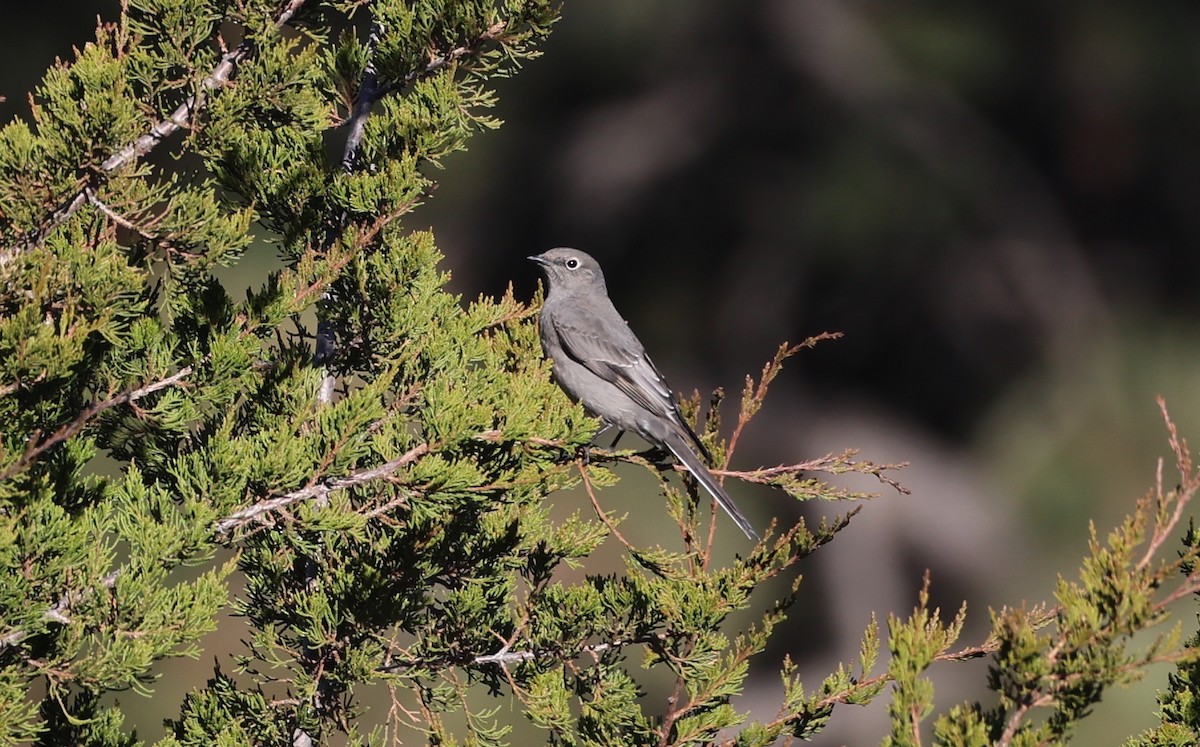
{"x":654,"y":454}
{"x":584,"y":452}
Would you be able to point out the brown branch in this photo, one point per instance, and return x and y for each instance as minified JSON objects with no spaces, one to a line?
{"x":673,"y":714}
{"x":439,"y":62}
{"x":754,"y":394}
{"x":1189,"y":483}
{"x":34,"y":449}
{"x":914,"y":723}
{"x":612,"y":527}
{"x":830,"y":463}
{"x":835,"y":464}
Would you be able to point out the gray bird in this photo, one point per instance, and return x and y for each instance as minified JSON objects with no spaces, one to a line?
{"x":599,"y":362}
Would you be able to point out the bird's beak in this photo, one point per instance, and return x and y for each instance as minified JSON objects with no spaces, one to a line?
{"x":537,"y":258}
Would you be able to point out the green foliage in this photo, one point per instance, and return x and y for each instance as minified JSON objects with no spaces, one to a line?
{"x":1179,"y":705}
{"x":171,"y":453}
{"x":393,"y":534}
{"x":914,"y":645}
{"x":1050,"y":666}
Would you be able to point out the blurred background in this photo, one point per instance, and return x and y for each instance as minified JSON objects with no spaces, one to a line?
{"x":998,"y":204}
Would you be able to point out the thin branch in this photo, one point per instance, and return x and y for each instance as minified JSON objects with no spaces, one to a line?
{"x":34,"y":449}
{"x":505,"y":657}
{"x":833,"y":464}
{"x":673,"y":713}
{"x":612,"y":527}
{"x":177,"y":120}
{"x":440,"y":62}
{"x":754,"y":394}
{"x":317,"y":490}
{"x":60,"y":611}
{"x":1189,"y":483}
{"x":914,"y":722}
{"x":368,"y":93}
{"x":114,"y":216}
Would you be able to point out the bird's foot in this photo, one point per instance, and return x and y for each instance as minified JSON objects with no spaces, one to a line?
{"x":584,"y":454}
{"x":613,"y":445}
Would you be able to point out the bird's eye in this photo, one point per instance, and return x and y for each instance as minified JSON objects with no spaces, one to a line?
{"x":572,"y":263}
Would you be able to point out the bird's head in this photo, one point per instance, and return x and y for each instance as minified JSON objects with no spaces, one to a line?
{"x":570,"y":270}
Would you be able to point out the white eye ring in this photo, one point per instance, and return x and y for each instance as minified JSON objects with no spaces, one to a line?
{"x":572,"y":263}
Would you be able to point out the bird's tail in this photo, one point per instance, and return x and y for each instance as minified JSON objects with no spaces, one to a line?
{"x":678,"y":446}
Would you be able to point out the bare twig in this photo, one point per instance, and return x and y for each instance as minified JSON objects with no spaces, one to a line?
{"x":754,"y":394}
{"x":506,"y":656}
{"x":831,"y":463}
{"x":114,"y":216}
{"x":1189,"y":483}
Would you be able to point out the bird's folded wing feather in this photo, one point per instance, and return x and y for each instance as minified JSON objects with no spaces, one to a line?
{"x":618,"y":357}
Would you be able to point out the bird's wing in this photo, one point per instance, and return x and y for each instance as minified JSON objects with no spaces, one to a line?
{"x":617,"y":356}
{"x":614,"y":353}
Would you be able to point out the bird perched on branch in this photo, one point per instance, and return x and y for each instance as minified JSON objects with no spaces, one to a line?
{"x":599,"y":362}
